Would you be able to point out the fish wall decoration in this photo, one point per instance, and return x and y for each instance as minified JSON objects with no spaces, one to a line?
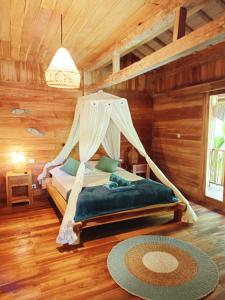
{"x":36,"y":132}
{"x":20,"y":111}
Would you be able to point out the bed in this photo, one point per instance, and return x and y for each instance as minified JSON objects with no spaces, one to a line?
{"x":97,"y":205}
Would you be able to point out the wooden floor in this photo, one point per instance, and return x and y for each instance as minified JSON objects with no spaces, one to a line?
{"x":33,"y":266}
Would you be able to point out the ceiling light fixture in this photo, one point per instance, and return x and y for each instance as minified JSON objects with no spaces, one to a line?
{"x":62,"y":71}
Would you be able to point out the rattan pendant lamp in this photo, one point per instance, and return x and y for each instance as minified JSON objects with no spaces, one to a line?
{"x":62,"y":71}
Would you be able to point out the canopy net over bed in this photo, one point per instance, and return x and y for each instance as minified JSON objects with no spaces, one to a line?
{"x":100,"y":118}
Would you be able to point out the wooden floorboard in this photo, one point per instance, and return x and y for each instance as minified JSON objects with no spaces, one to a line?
{"x":33,"y":266}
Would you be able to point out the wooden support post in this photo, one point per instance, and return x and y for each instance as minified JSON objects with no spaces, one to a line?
{"x":179,"y":23}
{"x":77,"y":228}
{"x":87,"y":80}
{"x":116,"y":62}
{"x":178,"y":213}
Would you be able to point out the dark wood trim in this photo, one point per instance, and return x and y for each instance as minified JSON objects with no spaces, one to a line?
{"x":205,"y":131}
{"x":179,"y":23}
{"x":222,"y":91}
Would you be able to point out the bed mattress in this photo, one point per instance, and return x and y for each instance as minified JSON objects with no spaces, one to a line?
{"x":63,"y":182}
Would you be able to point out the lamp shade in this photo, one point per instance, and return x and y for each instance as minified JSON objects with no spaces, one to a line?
{"x":18,"y":162}
{"x":62,"y":71}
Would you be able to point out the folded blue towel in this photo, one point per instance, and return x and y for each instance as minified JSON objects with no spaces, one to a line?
{"x":119,"y":180}
{"x":114,"y":188}
{"x":112,"y":185}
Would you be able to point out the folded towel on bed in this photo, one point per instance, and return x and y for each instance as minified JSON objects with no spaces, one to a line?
{"x":112,"y":185}
{"x":116,"y":188}
{"x":119,"y":180}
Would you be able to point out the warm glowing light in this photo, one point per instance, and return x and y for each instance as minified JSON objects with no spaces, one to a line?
{"x":62,"y":71}
{"x":18,"y":161}
{"x":18,"y":157}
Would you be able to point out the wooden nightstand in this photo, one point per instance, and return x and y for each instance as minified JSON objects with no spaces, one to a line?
{"x":140,"y":169}
{"x":16,"y":180}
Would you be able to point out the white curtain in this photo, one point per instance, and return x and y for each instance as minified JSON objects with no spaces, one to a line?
{"x":71,"y":142}
{"x":94,"y":121}
{"x":121,"y":116}
{"x":111,"y":142}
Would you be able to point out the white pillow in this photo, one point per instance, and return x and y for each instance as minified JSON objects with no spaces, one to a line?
{"x":58,"y":172}
{"x":91,"y":164}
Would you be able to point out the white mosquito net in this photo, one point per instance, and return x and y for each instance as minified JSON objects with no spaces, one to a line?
{"x":99,"y":119}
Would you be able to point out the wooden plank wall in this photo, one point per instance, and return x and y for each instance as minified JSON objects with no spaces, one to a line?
{"x":205,"y":66}
{"x":178,"y":135}
{"x":180,"y":117}
{"x":50,"y":111}
{"x":22,"y":85}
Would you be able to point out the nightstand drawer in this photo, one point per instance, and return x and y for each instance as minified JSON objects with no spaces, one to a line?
{"x":18,"y":180}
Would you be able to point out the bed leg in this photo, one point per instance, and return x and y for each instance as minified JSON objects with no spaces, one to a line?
{"x":77,"y":228}
{"x":178,"y":213}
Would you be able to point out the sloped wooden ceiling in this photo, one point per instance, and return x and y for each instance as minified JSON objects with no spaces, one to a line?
{"x":30,"y":29}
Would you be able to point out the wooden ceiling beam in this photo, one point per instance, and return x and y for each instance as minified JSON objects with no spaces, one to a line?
{"x":147,"y":31}
{"x":189,"y":29}
{"x":170,"y":32}
{"x":146,"y":49}
{"x":138,"y":53}
{"x":221,"y":3}
{"x":149,"y":47}
{"x":179,"y":23}
{"x":204,"y":16}
{"x":116,"y":62}
{"x":159,"y":41}
{"x":208,"y":34}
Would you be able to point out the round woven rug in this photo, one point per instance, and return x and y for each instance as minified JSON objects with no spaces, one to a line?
{"x":162,"y":268}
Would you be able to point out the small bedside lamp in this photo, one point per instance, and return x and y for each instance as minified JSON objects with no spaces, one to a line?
{"x":18,"y":162}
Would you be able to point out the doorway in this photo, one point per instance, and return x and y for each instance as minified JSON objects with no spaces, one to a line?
{"x":216,"y":148}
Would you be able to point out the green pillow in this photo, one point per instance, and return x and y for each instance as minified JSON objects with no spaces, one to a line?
{"x":71,"y":166}
{"x":107,"y":164}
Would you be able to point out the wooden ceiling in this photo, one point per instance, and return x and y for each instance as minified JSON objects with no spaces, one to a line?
{"x":30,"y":29}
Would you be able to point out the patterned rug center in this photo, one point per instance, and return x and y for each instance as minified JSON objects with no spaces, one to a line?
{"x":160,"y":262}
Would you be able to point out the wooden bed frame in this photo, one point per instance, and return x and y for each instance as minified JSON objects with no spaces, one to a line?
{"x":178,"y":208}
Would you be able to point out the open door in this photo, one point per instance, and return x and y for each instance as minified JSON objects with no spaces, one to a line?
{"x":216,"y":148}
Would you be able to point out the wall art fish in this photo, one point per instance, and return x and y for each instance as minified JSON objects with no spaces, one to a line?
{"x":36,"y":132}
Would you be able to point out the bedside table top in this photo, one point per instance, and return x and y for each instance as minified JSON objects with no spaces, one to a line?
{"x":12,"y":173}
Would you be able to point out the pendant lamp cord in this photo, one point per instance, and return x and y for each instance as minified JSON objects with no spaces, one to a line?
{"x":61,"y":30}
